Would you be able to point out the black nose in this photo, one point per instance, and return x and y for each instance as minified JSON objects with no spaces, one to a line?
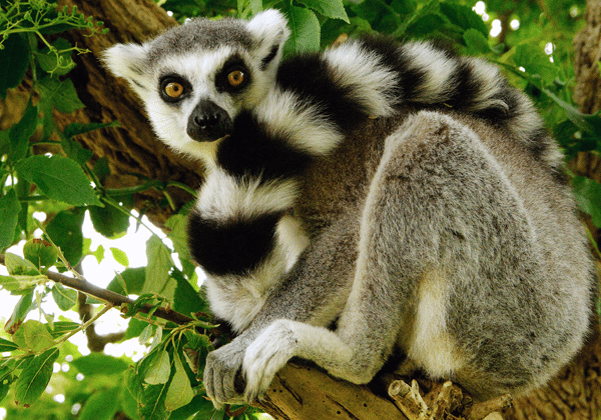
{"x":208,"y":122}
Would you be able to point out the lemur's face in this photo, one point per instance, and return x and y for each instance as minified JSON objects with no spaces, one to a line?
{"x":195,"y":79}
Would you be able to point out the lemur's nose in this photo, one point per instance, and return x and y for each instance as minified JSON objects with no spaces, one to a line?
{"x":208,"y":122}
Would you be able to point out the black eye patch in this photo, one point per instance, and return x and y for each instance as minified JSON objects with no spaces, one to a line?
{"x":236,"y":70}
{"x":173,"y":88}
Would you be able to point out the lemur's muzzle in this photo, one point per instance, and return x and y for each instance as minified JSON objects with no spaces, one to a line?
{"x":208,"y":122}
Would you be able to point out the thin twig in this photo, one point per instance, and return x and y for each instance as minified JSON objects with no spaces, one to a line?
{"x":108,"y":296}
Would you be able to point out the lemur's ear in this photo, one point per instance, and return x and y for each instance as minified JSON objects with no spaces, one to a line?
{"x":269,"y":31}
{"x":130,"y":62}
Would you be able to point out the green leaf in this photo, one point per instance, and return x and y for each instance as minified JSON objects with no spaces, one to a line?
{"x":40,"y":253}
{"x":5,"y":142}
{"x":21,"y":132}
{"x":178,"y":234}
{"x":588,"y":196}
{"x":65,"y":298}
{"x":35,"y":377}
{"x":379,"y":14}
{"x":9,"y":214}
{"x":197,"y":341}
{"x":134,"y":328}
{"x":109,"y":221}
{"x":158,"y":369}
{"x":145,"y":334}
{"x":134,"y":384}
{"x":535,"y":61}
{"x":33,"y":336}
{"x":102,"y":405}
{"x":76,"y":151}
{"x":65,"y":231}
{"x":403,"y":7}
{"x":159,"y":264}
{"x":425,"y":25}
{"x":180,"y":391}
{"x":6,"y":345}
{"x":15,"y":52}
{"x":62,"y":327}
{"x":4,"y":388}
{"x":20,"y":311}
{"x":153,"y":403}
{"x":18,"y":266}
{"x":134,"y":279}
{"x":59,"y":178}
{"x":47,"y":117}
{"x":101,"y":168}
{"x":202,"y":407}
{"x":129,"y":404}
{"x":120,"y":256}
{"x":306,"y":30}
{"x":329,"y":8}
{"x":61,"y":95}
{"x":99,"y":364}
{"x":186,"y":300}
{"x":49,"y":61}
{"x":16,"y":286}
{"x":464,"y":17}
{"x":476,"y":42}
{"x":75,"y":129}
{"x":400,"y":28}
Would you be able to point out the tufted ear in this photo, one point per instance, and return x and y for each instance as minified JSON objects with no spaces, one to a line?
{"x":269,"y":32}
{"x":129,"y":61}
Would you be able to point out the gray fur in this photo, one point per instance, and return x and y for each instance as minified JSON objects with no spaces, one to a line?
{"x":437,"y":234}
{"x":200,"y":34}
{"x":451,"y":195}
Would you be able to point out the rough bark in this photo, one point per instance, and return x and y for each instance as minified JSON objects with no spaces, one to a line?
{"x":298,"y":392}
{"x":133,"y":148}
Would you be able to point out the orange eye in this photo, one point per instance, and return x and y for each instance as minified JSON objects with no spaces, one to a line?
{"x":235,"y":78}
{"x":174,"y":90}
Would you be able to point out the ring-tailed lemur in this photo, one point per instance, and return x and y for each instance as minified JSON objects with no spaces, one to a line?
{"x":371,"y":198}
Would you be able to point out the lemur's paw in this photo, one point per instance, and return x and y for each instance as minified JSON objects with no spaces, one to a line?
{"x":220,"y":374}
{"x":266,"y":356}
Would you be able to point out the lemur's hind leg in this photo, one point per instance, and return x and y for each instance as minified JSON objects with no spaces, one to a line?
{"x":398,"y":265}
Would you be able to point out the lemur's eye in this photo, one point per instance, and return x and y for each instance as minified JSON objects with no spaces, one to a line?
{"x":174,"y":90}
{"x":235,"y":78}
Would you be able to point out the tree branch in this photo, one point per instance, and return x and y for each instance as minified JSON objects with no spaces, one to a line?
{"x":116,"y":299}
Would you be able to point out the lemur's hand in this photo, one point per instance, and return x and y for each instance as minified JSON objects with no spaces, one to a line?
{"x":220,"y":373}
{"x":266,"y":356}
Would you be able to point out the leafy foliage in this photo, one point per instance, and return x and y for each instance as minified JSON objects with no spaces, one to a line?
{"x":68,"y":184}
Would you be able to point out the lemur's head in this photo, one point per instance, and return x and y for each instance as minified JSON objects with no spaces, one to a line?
{"x":195,"y":79}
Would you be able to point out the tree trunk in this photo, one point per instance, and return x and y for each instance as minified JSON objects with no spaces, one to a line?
{"x":298,"y":392}
{"x":133,"y":148}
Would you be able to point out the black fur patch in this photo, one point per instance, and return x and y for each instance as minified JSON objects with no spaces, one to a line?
{"x":232,"y":247}
{"x":235,"y":62}
{"x":308,"y":76}
{"x":499,"y":116}
{"x":267,"y":59}
{"x":249,"y":150}
{"x":466,"y":87}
